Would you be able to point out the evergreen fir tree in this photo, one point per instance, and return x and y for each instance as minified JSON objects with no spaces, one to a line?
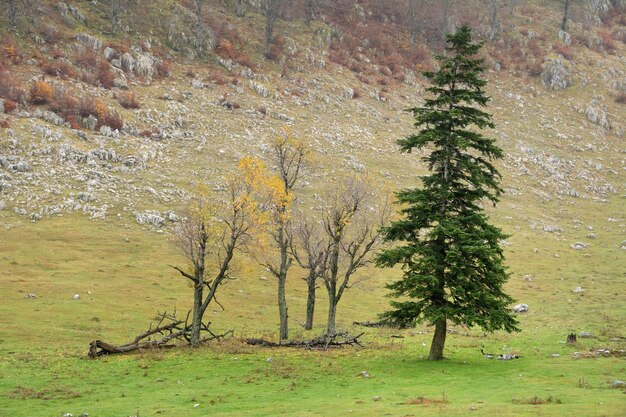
{"x":451,"y":256}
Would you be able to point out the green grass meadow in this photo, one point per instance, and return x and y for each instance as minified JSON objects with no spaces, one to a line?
{"x":122,"y":275}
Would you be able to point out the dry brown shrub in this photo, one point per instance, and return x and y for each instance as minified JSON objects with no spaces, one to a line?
{"x":50,"y":34}
{"x":113,"y":119}
{"x":128,"y":100}
{"x":92,"y":106}
{"x":10,"y":88}
{"x":4,"y":124}
{"x":608,"y":43}
{"x":277,"y":48}
{"x":218,"y":79}
{"x":565,"y":51}
{"x":64,"y":102}
{"x":86,"y":58}
{"x":534,"y":69}
{"x":59,"y":68}
{"x":105,"y":75}
{"x":9,"y":106}
{"x":163,"y":68}
{"x":620,"y":98}
{"x":41,"y":92}
{"x":10,"y":53}
{"x":89,"y":77}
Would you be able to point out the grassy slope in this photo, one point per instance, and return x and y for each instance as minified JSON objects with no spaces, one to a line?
{"x":43,"y":371}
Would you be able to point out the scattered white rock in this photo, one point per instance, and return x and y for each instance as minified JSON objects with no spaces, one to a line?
{"x":586,"y":335}
{"x":618,"y":384}
{"x":31,"y":296}
{"x":364,"y":374}
{"x":578,"y":290}
{"x":520,"y":308}
{"x":76,"y":297}
{"x":579,"y":246}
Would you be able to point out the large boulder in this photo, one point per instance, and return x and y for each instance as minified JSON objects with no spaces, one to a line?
{"x":555,"y":75}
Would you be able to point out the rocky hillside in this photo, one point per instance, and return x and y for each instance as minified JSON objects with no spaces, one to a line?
{"x":119,"y":122}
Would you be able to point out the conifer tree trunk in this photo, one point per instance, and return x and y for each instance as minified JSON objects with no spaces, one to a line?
{"x":439,"y":340}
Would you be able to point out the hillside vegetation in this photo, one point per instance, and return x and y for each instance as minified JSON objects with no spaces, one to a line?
{"x":111,"y":120}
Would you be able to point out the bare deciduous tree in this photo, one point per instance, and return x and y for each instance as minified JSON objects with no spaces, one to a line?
{"x":352,"y":219}
{"x":288,"y":156}
{"x":309,"y":247}
{"x":271,"y":10}
{"x":208,"y":236}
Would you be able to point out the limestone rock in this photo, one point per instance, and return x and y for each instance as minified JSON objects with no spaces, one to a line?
{"x":520,"y":308}
{"x":109,"y":53}
{"x":89,"y":41}
{"x":565,"y":37}
{"x":555,"y":75}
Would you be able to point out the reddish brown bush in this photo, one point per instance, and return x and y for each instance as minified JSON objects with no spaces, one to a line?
{"x":163,"y":69}
{"x":10,"y":88}
{"x":277,"y":48}
{"x":41,"y":93}
{"x":190,"y":73}
{"x":57,"y":53}
{"x":225,"y":49}
{"x":61,"y":68}
{"x":218,"y":79}
{"x":113,"y":120}
{"x":565,"y":51}
{"x":92,"y":106}
{"x":128,"y":100}
{"x":356,"y":94}
{"x":534,"y":69}
{"x":9,"y":106}
{"x":50,"y":34}
{"x":64,"y":102}
{"x":86,"y":58}
{"x":105,"y":75}
{"x":620,"y":98}
{"x":4,"y":124}
{"x":90,"y":78}
{"x":608,"y":43}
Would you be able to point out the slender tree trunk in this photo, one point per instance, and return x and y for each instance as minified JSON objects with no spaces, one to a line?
{"x":115,"y":18}
{"x":310,"y":301}
{"x":331,"y":326}
{"x":309,"y":7}
{"x":282,"y":281}
{"x":282,"y":309}
{"x":439,"y":340}
{"x":12,"y":13}
{"x":494,"y":24}
{"x":196,"y":323}
{"x":565,"y":15}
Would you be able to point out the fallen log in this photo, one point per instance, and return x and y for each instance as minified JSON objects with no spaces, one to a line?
{"x":169,"y":333}
{"x":323,"y":342}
